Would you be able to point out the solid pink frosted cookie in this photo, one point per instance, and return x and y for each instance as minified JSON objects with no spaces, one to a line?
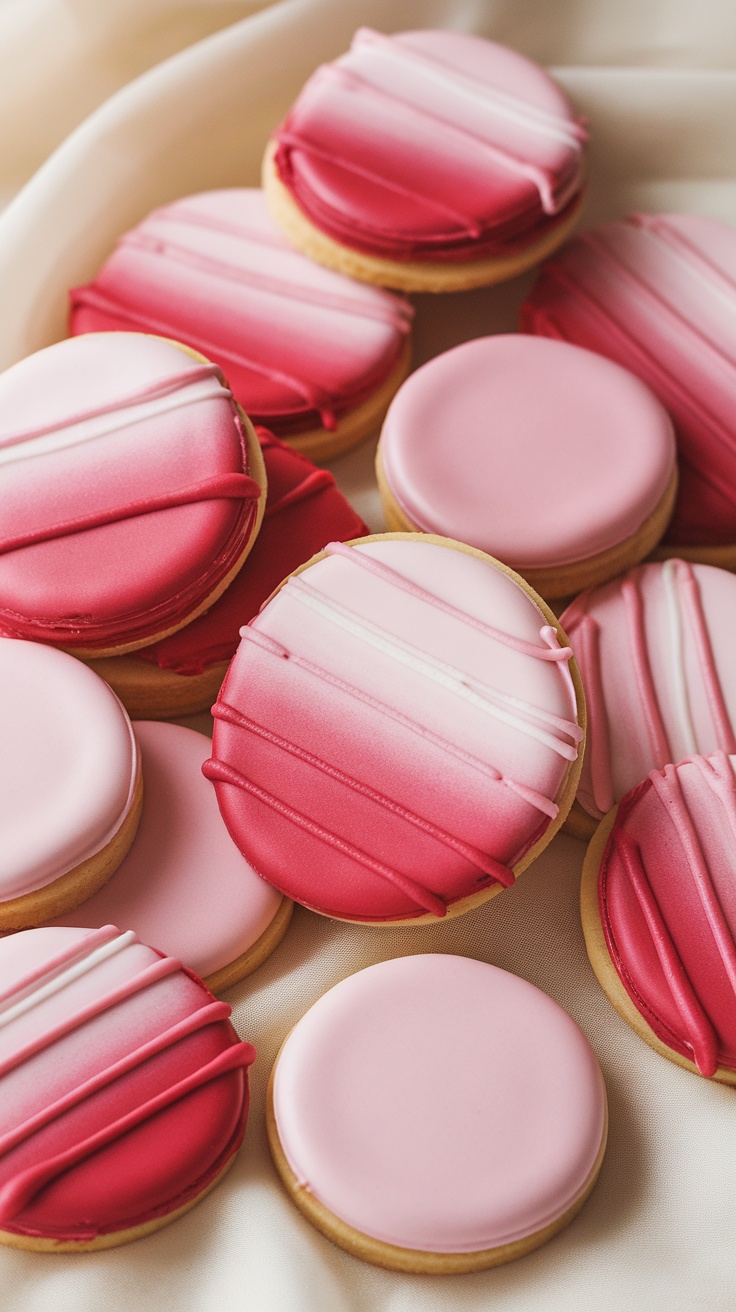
{"x":659,"y":912}
{"x":184,"y":886}
{"x":657,"y":293}
{"x":399,"y":732}
{"x":436,"y":1114}
{"x":427,"y":160}
{"x":124,"y":1089}
{"x":554,"y":460}
{"x":131,"y":487}
{"x":655,"y":650}
{"x":307,"y":352}
{"x":70,"y":783}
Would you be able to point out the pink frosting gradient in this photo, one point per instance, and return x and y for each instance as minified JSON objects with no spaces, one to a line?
{"x":655,"y":651}
{"x":183,"y":886}
{"x":393,"y":731}
{"x":534,"y":451}
{"x":299,"y":344}
{"x":657,"y":293}
{"x":438,"y":1103}
{"x":68,"y":764}
{"x":431,"y":145}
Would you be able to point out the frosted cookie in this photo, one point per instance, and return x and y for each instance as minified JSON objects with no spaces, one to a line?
{"x":659,"y":912}
{"x":548,"y":457}
{"x":132,"y":489}
{"x":70,"y":783}
{"x":655,"y":651}
{"x":182,"y":674}
{"x":124,"y":1089}
{"x":399,"y":733}
{"x":429,"y":161}
{"x":436,"y":1114}
{"x":657,"y":293}
{"x":306,"y":351}
{"x":184,"y":885}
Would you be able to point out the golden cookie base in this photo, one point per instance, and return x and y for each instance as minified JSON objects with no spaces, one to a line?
{"x":256,"y":954}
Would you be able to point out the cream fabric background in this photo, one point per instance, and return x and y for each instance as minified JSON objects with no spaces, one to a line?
{"x":657,"y":82}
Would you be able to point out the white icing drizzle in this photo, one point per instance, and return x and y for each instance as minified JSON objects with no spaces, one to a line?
{"x":691,"y":262}
{"x":82,"y":966}
{"x":682,"y":700}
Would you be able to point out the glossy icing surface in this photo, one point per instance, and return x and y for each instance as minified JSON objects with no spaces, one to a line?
{"x":667,"y":892}
{"x":304,"y":511}
{"x":393,"y":730}
{"x":125,"y":490}
{"x":438,"y":1103}
{"x":657,"y":293}
{"x":68,"y":764}
{"x":655,"y":652}
{"x":299,"y":344}
{"x":124,"y":1086}
{"x":535,"y":451}
{"x":434,"y":145}
{"x":183,"y":886}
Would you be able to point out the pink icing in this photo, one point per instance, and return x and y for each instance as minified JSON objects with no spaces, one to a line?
{"x":534,"y":451}
{"x":655,"y":650}
{"x":668,"y":906}
{"x":184,"y":885}
{"x":657,"y":293}
{"x":299,"y":344}
{"x":431,"y":145}
{"x":125,"y":492}
{"x":438,"y":1103}
{"x":68,"y":764}
{"x":393,"y":731}
{"x":124,"y":1085}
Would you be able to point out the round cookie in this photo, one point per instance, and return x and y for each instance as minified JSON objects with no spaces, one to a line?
{"x":657,"y":293}
{"x":546,"y":456}
{"x":655,"y":651}
{"x":307,"y":352}
{"x":182,"y":674}
{"x":184,"y":885}
{"x":124,"y":1089}
{"x":70,"y":783}
{"x":428,"y":161}
{"x":435,"y":1114}
{"x":132,"y":490}
{"x":659,"y":912}
{"x":399,"y":733}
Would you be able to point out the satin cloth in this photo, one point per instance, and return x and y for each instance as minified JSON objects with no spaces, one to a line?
{"x":656,"y":82}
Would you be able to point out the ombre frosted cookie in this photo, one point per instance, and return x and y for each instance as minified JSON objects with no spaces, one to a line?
{"x":70,"y":783}
{"x":428,"y":161}
{"x":307,"y":352}
{"x":554,"y":460}
{"x":124,"y":1089}
{"x":655,"y":651}
{"x":132,"y":488}
{"x":182,"y":674}
{"x":659,"y":912}
{"x":657,"y":293}
{"x":399,"y":733}
{"x":434,"y":1114}
{"x":184,"y":886}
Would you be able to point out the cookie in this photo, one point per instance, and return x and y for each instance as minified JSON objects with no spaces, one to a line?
{"x":182,"y":674}
{"x":184,"y":887}
{"x":427,"y":161}
{"x":552,"y":459}
{"x":659,"y":914}
{"x":655,"y":651}
{"x":399,"y":733}
{"x":70,"y":783}
{"x":306,"y":351}
{"x":657,"y":293}
{"x":435,"y":1114}
{"x":124,"y":1089}
{"x":132,"y":489}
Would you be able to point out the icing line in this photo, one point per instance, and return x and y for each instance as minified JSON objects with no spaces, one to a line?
{"x":685,"y":576}
{"x":316,"y":481}
{"x":598,"y":746}
{"x":88,"y":944}
{"x":656,"y":731}
{"x":669,"y":580}
{"x":86,"y":962}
